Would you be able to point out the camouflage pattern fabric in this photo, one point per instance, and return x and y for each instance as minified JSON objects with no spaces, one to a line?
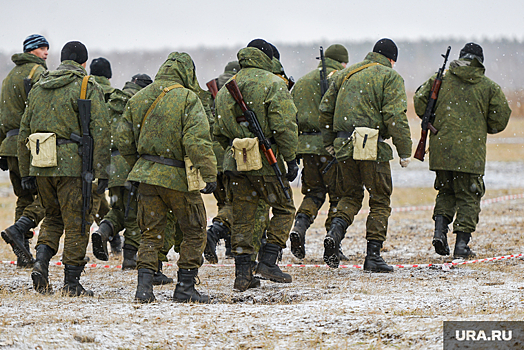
{"x":261,"y":225}
{"x":118,"y":197}
{"x":104,"y":83}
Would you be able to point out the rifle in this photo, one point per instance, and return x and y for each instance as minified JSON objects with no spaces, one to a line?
{"x":132,"y":191}
{"x":429,"y":115}
{"x":27,"y":86}
{"x":213,"y":87}
{"x":323,"y":74}
{"x":255,"y":128}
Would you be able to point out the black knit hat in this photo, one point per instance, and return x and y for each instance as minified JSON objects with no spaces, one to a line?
{"x":263,"y":46}
{"x":101,"y":67}
{"x":35,"y":41}
{"x":387,"y":48}
{"x":74,"y":51}
{"x":276,"y":54}
{"x":141,"y":80}
{"x":471,"y":51}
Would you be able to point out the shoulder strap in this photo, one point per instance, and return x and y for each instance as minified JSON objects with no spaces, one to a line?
{"x":33,"y":70}
{"x":83,"y":89}
{"x":356,"y":70}
{"x":164,"y":91}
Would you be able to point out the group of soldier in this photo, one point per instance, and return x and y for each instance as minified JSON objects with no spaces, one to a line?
{"x":158,"y":144}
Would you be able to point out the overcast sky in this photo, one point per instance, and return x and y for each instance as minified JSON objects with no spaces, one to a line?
{"x":134,"y":24}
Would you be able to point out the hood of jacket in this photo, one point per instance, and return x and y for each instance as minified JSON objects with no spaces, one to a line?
{"x":251,"y":57}
{"x":23,"y":58}
{"x":470,"y":71}
{"x":179,"y":67}
{"x":66,"y":73}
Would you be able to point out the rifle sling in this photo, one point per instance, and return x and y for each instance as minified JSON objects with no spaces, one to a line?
{"x":83,"y":89}
{"x":356,"y":70}
{"x":162,"y":94}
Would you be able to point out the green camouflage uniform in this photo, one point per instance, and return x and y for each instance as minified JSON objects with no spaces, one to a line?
{"x":268,"y":97}
{"x":12,"y":108}
{"x":469,"y":107}
{"x":52,"y":107}
{"x":375,"y":98}
{"x":177,"y":126}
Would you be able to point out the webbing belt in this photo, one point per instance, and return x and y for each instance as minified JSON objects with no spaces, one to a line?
{"x":162,"y":160}
{"x":12,"y":132}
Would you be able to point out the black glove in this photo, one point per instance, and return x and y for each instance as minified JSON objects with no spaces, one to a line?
{"x":29,"y":183}
{"x":3,"y":164}
{"x":210,"y":188}
{"x":292,"y":170}
{"x":102,"y":185}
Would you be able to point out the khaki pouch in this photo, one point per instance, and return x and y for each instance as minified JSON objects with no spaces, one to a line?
{"x":194,"y":179}
{"x":43,"y":149}
{"x":365,"y":143}
{"x":247,"y":154}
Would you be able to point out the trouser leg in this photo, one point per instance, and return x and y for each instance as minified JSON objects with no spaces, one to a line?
{"x":377,"y":180}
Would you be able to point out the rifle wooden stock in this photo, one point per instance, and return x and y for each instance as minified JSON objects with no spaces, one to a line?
{"x":421,"y":148}
{"x":213,"y":87}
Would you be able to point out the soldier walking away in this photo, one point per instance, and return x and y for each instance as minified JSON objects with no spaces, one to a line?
{"x":365,"y":105}
{"x":251,"y":176}
{"x":30,"y":66}
{"x":469,"y":107}
{"x":51,"y":126}
{"x":307,"y":95}
{"x":164,"y":131}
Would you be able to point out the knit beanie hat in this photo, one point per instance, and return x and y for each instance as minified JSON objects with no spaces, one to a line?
{"x":387,"y":48}
{"x":74,"y":51}
{"x":471,"y":51}
{"x":141,"y":80}
{"x":263,"y":46}
{"x":34,"y":41}
{"x":232,"y":66}
{"x":338,"y":53}
{"x":101,"y":67}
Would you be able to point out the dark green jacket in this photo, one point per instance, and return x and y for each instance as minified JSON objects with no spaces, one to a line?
{"x":469,"y":106}
{"x":268,"y":97}
{"x":105,"y":84}
{"x":375,"y":98}
{"x":53,"y":107}
{"x":13,"y":98}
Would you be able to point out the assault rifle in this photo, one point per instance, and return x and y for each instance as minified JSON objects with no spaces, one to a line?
{"x":255,"y":128}
{"x":323,"y":74}
{"x":429,"y":115}
{"x":213,"y":87}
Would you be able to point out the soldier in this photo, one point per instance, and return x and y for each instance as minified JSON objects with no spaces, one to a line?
{"x":165,"y":126}
{"x":267,"y":96}
{"x":315,"y":185}
{"x":30,"y":66}
{"x":278,"y":69}
{"x":469,"y":106}
{"x":53,"y":109}
{"x":365,"y":105}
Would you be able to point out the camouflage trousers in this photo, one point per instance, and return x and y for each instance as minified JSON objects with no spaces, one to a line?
{"x":376,"y":178}
{"x":27,"y":202}
{"x":246,"y":192}
{"x":459,"y":193}
{"x":61,"y":198}
{"x":118,"y":197}
{"x":154,"y":203}
{"x":316,"y":185}
{"x":101,"y":205}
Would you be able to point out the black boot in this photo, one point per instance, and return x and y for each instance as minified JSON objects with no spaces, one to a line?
{"x":374,"y":261}
{"x":40,"y":273}
{"x":244,"y":269}
{"x":214,"y":233}
{"x":99,"y":240}
{"x":440,"y":239}
{"x":341,"y":255}
{"x":129,"y":262}
{"x":185,"y":288}
{"x":72,"y":286}
{"x":15,"y":236}
{"x":159,"y":278}
{"x":461,"y":246}
{"x":298,"y":235}
{"x":267,"y":266}
{"x":227,"y":244}
{"x":116,"y":244}
{"x":144,"y":289}
{"x":21,"y":261}
{"x":336,"y":233}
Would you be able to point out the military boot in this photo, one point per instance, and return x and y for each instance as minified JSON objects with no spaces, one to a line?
{"x":336,"y":233}
{"x":298,"y":235}
{"x":267,"y":266}
{"x":159,"y":278}
{"x":244,"y":269}
{"x":15,"y":236}
{"x":341,"y":255}
{"x":214,"y":233}
{"x":461,"y":246}
{"x":227,"y":244}
{"x":72,"y":286}
{"x":129,"y":262}
{"x":144,"y":289}
{"x":21,"y":260}
{"x":185,"y":288}
{"x":116,"y":244}
{"x":99,"y":240}
{"x":374,"y":262}
{"x":440,"y":239}
{"x":40,"y":273}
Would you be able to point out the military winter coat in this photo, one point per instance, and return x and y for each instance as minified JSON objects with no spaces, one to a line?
{"x":104,"y":83}
{"x":53,"y":107}
{"x":469,"y":106}
{"x":375,"y":98}
{"x":176,"y":127}
{"x":13,"y":98}
{"x":268,"y":97}
{"x":307,"y":95}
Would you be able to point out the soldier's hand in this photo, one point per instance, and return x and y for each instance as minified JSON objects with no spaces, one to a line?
{"x":330,"y":150}
{"x":404,"y":162}
{"x":292,"y":170}
{"x":102,"y":185}
{"x":210,"y":187}
{"x":3,"y":164}
{"x":29,"y":183}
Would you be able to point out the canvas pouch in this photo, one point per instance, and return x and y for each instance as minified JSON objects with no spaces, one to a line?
{"x":194,"y":179}
{"x":247,"y":154}
{"x":43,"y":149}
{"x":365,"y":143}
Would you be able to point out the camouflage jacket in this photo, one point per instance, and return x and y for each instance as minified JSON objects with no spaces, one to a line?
{"x":469,"y":106}
{"x":268,"y":97}
{"x":375,"y":98}
{"x":52,"y":107}
{"x":104,"y":83}
{"x":176,"y":127}
{"x":307,"y":95}
{"x":119,"y":168}
{"x":13,"y":98}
